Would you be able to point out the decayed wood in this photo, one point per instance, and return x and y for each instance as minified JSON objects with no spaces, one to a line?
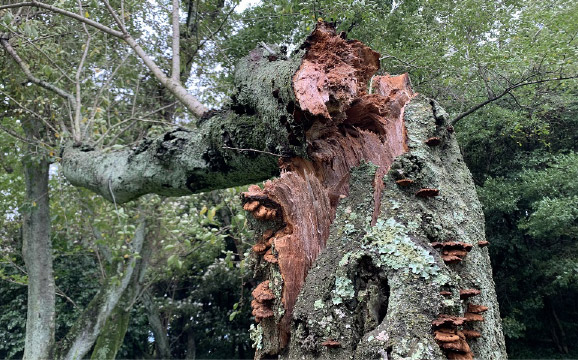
{"x":347,"y":125}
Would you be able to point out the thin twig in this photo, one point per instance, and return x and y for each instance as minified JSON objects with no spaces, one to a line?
{"x":98,"y":97}
{"x":45,"y":55}
{"x":42,"y":118}
{"x":507,"y":91}
{"x":70,"y":14}
{"x":33,"y":79}
{"x":252,"y":150}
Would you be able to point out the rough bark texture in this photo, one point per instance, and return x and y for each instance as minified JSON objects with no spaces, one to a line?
{"x":162,"y":346}
{"x":37,"y":253}
{"x":185,"y":161}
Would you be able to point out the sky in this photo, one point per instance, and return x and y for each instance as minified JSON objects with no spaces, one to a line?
{"x":244,"y":4}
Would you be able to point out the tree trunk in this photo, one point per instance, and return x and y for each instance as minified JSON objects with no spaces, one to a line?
{"x":371,"y":241}
{"x":112,"y":334}
{"x":162,"y":346}
{"x":87,"y":328}
{"x":37,"y":253}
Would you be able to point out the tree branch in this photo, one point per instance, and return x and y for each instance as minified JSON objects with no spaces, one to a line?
{"x":77,"y":135}
{"x":67,"y":13}
{"x":176,"y":88}
{"x":175,"y":72}
{"x":86,"y":329}
{"x":33,"y":79}
{"x":506,"y":92}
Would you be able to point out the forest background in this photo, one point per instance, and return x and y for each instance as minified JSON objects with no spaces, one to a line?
{"x":504,"y":70}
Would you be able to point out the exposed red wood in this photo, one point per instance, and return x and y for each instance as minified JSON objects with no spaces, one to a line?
{"x":346,"y":126}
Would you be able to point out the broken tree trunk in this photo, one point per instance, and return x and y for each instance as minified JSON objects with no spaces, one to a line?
{"x":371,"y":239}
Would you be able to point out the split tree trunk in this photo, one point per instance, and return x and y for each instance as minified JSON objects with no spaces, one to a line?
{"x":371,"y":241}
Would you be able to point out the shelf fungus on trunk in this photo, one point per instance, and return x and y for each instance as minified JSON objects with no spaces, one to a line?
{"x":427,"y":192}
{"x":341,"y":128}
{"x":261,"y":304}
{"x":453,"y":252}
{"x":450,"y":338}
{"x":468,"y":293}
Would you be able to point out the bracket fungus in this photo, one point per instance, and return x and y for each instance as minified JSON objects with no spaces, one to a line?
{"x":453,"y":251}
{"x":261,"y":304}
{"x":426,"y":192}
{"x":330,"y":343}
{"x":477,"y":309}
{"x":270,"y":257}
{"x":404,"y":182}
{"x":343,"y":126}
{"x":483,"y":243}
{"x":471,"y":317}
{"x":450,"y":338}
{"x":433,"y":141}
{"x":467,"y":293}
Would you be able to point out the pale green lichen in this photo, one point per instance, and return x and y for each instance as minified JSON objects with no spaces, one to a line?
{"x":256,"y":335}
{"x":343,"y":290}
{"x":397,"y":251}
{"x":319,"y":304}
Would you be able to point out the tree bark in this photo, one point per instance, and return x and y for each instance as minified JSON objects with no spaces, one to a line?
{"x":37,"y":252}
{"x":371,"y":241}
{"x":111,"y":336}
{"x":163,"y":348}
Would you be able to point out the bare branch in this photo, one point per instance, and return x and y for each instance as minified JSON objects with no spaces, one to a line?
{"x":506,"y":92}
{"x":21,"y":106}
{"x":98,"y":97}
{"x":64,"y":74}
{"x":70,"y":14}
{"x":78,"y":109}
{"x":33,"y":79}
{"x":175,"y":72}
{"x":176,"y":88}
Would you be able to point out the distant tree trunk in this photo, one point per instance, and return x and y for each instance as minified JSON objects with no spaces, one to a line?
{"x":163,"y":349}
{"x":37,"y":251}
{"x":371,"y":240}
{"x":191,"y":345}
{"x":94,"y":319}
{"x":112,"y":334}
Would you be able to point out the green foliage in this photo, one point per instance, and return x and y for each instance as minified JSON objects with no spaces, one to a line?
{"x":201,"y":293}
